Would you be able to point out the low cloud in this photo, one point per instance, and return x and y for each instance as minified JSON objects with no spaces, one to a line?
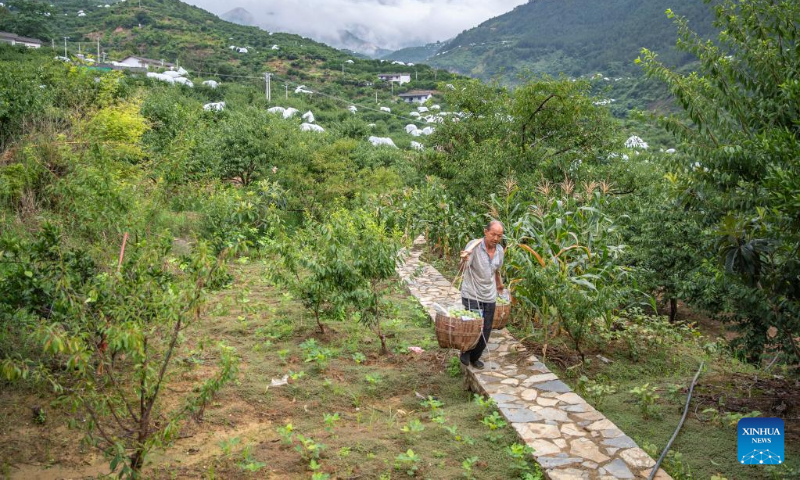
{"x":389,"y":24}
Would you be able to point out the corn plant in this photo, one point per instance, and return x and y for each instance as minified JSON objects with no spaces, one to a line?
{"x":564,"y":259}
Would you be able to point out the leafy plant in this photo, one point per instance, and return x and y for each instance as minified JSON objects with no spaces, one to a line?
{"x":486,"y":404}
{"x":413,"y":428}
{"x":494,"y":421}
{"x":117,"y":379}
{"x":408,"y":461}
{"x":467,"y":467}
{"x":248,"y":463}
{"x":738,"y":128}
{"x":331,"y":421}
{"x":435,"y":407}
{"x":521,"y":460}
{"x":646,"y":398}
{"x":287,"y":433}
{"x":308,"y":448}
{"x":565,"y":259}
{"x":228,"y":445}
{"x":359,"y":358}
{"x":317,"y":354}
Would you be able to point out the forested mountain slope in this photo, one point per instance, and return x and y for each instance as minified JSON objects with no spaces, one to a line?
{"x":573,"y":37}
{"x":199,"y":40}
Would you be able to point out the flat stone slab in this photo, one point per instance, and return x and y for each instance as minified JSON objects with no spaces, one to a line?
{"x":571,"y":440}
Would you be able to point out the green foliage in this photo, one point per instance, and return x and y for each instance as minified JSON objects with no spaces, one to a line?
{"x":674,"y":463}
{"x":494,"y":422}
{"x":468,"y":465}
{"x":109,"y":344}
{"x":249,"y":145}
{"x":596,"y":391}
{"x":241,"y":220}
{"x":287,"y":433}
{"x":121,"y":128}
{"x":317,"y":266}
{"x":27,"y":19}
{"x":413,"y":427}
{"x":313,"y":352}
{"x":646,"y":398}
{"x":546,"y":127}
{"x":564,"y":259}
{"x":308,"y":448}
{"x":331,"y":421}
{"x":578,"y":38}
{"x":408,"y":461}
{"x":739,"y":128}
{"x":521,"y":456}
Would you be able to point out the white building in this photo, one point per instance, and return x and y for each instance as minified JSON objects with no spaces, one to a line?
{"x":417,"y":96}
{"x":14,"y":39}
{"x":400,"y":78}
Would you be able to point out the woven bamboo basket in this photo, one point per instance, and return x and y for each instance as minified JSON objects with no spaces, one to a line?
{"x":501,"y":315}
{"x":452,"y":332}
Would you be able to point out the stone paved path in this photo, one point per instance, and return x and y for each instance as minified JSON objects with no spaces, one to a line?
{"x":571,"y":440}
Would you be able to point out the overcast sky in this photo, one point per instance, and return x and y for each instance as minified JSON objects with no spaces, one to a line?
{"x":387,"y":23}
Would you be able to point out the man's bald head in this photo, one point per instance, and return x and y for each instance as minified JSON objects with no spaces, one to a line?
{"x":493,"y":233}
{"x":493,"y":223}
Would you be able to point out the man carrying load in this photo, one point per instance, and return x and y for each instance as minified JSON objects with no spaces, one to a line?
{"x":481,"y":261}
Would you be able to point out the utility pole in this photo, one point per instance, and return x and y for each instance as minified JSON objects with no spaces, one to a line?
{"x":376,"y":97}
{"x":65,"y":47}
{"x":416,"y":75}
{"x":268,"y":86}
{"x":286,"y":88}
{"x":53,"y":43}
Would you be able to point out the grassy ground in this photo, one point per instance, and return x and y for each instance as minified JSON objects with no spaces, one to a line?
{"x":726,"y":390}
{"x":369,"y":400}
{"x":667,"y":360}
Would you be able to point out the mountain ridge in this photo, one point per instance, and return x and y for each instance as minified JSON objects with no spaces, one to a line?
{"x":573,"y":37}
{"x":239,"y":16}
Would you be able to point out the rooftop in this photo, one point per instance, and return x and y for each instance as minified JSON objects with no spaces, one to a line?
{"x":418,"y":93}
{"x":18,"y":38}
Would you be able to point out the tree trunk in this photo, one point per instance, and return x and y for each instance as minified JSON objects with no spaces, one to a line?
{"x":673,"y":309}
{"x":319,"y":324}
{"x":137,"y":462}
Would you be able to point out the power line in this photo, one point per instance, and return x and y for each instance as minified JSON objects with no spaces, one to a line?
{"x":334,"y":97}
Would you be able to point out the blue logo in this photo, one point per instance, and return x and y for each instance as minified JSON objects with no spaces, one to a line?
{"x":760,"y":441}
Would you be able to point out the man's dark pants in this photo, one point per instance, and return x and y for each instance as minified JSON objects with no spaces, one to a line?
{"x":487,"y":310}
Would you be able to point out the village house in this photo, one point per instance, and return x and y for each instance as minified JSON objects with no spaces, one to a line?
{"x":14,"y":39}
{"x":400,"y":78}
{"x":417,"y":96}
